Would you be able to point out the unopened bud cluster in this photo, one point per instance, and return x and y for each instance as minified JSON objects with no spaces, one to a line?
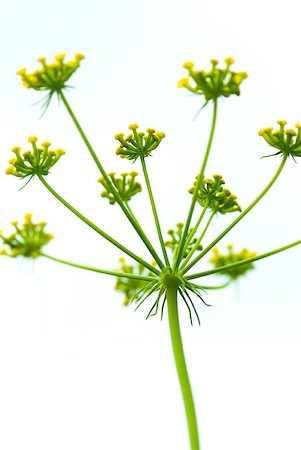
{"x":219,"y":260}
{"x":138,"y":144}
{"x":175,"y":240}
{"x":27,"y":240}
{"x":287,"y":141}
{"x":37,"y":161}
{"x":214,"y":83}
{"x":51,"y":77}
{"x":212,"y":194}
{"x":126,"y":186}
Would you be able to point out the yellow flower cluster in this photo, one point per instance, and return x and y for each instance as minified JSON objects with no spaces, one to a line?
{"x":214,"y":83}
{"x":51,"y":76}
{"x":27,"y":239}
{"x":138,"y":144}
{"x":219,"y":260}
{"x":287,"y":141}
{"x":126,"y":185}
{"x":37,"y":161}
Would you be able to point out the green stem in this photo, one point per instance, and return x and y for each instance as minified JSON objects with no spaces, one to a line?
{"x":241,"y":216}
{"x":154,"y":209}
{"x":178,"y":352}
{"x":194,"y":248}
{"x":198,"y":183}
{"x":110,"y":184}
{"x":191,"y":234}
{"x":96,"y":228}
{"x":106,"y":272}
{"x":245,"y":261}
{"x":220,"y":286}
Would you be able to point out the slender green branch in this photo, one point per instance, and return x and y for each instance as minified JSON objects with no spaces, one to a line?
{"x":206,"y":288}
{"x":106,"y":272}
{"x":96,"y":228}
{"x":240,"y":263}
{"x":154,"y":209}
{"x":179,"y":356}
{"x":190,"y":235}
{"x":241,"y":216}
{"x":198,"y":184}
{"x":110,"y":184}
{"x":194,"y":248}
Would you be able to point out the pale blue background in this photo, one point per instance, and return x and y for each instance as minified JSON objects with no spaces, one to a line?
{"x":78,"y":371}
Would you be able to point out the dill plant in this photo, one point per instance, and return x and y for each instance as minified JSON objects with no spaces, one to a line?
{"x":168,"y":277}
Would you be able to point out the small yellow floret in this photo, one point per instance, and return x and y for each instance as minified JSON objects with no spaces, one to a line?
{"x":21,"y":71}
{"x":60,"y":151}
{"x":229,"y":60}
{"x":214,"y":61}
{"x":60,"y":57}
{"x":298,"y":126}
{"x":183,"y":82}
{"x":46,"y":144}
{"x":9,"y":170}
{"x":16,"y":149}
{"x":281,"y":122}
{"x":188,"y":65}
{"x":41,"y":59}
{"x":79,"y":56}
{"x":27,"y":218}
{"x":265,"y":130}
{"x":133,"y":126}
{"x":118,"y":136}
{"x":32,"y":139}
{"x":160,"y":134}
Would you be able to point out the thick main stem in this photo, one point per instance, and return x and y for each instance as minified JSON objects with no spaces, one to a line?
{"x":179,"y":356}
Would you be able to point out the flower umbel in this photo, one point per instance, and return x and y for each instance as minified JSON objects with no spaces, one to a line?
{"x":126,"y":185}
{"x":176,"y":235}
{"x":287,"y":141}
{"x":27,"y":240}
{"x":51,"y":77}
{"x":213,"y":195}
{"x":138,"y":144}
{"x":214,"y":83}
{"x":37,"y":161}
{"x":219,"y":260}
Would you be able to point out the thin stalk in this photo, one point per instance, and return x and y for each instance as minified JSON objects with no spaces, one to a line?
{"x":194,"y":248}
{"x":220,"y":286}
{"x":96,"y":228}
{"x":198,"y":183}
{"x":179,"y":356}
{"x":154,"y":209}
{"x":241,"y":216}
{"x":190,"y":235}
{"x":110,"y":184}
{"x":106,"y":272}
{"x":245,"y":261}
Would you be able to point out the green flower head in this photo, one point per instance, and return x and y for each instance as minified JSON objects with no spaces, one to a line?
{"x":175,"y":239}
{"x":214,"y":83}
{"x":212,"y":194}
{"x":138,"y":144}
{"x":27,"y":240}
{"x":37,"y":161}
{"x":126,"y":185}
{"x":287,"y":141}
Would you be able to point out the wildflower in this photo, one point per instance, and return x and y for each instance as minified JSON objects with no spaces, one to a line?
{"x":51,"y":76}
{"x":138,"y":144}
{"x":175,"y":240}
{"x":215,"y":83}
{"x":219,"y":260}
{"x":213,"y":195}
{"x":287,"y":141}
{"x":126,"y":186}
{"x":37,"y":161}
{"x":27,"y":240}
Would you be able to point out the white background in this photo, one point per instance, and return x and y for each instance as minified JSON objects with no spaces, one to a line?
{"x":78,"y":370}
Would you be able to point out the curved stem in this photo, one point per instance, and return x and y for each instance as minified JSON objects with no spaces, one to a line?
{"x":245,"y":261}
{"x":105,"y":272}
{"x":110,"y":184}
{"x":241,"y":216}
{"x":154,"y":209}
{"x":198,"y":183}
{"x":96,"y":228}
{"x":178,"y":352}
